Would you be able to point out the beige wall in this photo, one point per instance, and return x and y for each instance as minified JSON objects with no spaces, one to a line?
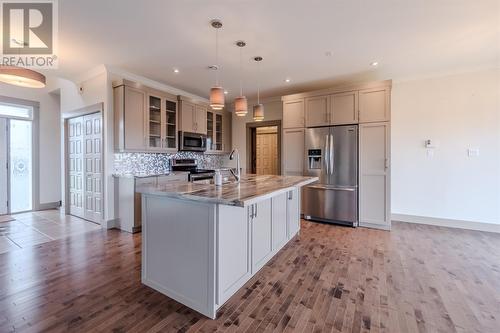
{"x":457,"y":112}
{"x":273,"y":111}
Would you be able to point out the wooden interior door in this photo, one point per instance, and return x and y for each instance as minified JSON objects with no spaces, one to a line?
{"x":267,"y":152}
{"x":3,"y":167}
{"x":75,"y":166}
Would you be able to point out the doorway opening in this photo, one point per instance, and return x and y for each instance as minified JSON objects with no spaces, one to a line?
{"x":264,"y":148}
{"x":16,"y":158}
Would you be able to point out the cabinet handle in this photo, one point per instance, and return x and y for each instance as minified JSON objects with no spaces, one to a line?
{"x":256,"y":210}
{"x":251,"y":212}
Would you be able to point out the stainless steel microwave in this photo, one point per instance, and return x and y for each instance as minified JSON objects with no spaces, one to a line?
{"x":192,"y":141}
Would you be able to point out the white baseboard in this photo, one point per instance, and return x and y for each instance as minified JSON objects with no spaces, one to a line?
{"x":450,"y":223}
{"x":110,"y":224}
{"x":48,"y":205}
{"x":375,"y":226}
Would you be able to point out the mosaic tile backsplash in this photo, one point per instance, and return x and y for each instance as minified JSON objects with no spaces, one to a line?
{"x":154,"y":163}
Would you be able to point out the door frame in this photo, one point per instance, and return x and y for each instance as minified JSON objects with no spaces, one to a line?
{"x":95,"y":108}
{"x":251,"y":130}
{"x":35,"y":149}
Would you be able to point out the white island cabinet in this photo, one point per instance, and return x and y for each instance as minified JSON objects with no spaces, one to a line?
{"x":202,"y":243}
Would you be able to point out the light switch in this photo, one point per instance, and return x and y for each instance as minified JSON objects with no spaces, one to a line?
{"x":430,"y":153}
{"x":473,"y":152}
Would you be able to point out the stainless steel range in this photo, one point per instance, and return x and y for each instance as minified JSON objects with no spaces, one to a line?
{"x":191,"y":165}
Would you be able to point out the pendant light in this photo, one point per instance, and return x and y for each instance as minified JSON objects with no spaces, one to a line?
{"x":240,"y":102}
{"x":216,"y":92}
{"x":258,"y":110}
{"x":22,"y":77}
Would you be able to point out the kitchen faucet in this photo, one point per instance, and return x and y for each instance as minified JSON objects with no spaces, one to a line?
{"x":236,"y":174}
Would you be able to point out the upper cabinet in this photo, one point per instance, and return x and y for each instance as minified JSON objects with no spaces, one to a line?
{"x":317,"y":110}
{"x":344,"y":108}
{"x":193,"y":116}
{"x":217,"y":131}
{"x":145,"y":118}
{"x":374,"y":105}
{"x":129,"y":104}
{"x":293,"y":113}
{"x":363,"y":103}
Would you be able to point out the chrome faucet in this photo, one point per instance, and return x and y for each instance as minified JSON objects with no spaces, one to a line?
{"x":236,"y":174}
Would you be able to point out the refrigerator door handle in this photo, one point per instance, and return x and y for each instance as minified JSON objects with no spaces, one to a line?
{"x":327,"y":154}
{"x":333,"y":188}
{"x":332,"y":155}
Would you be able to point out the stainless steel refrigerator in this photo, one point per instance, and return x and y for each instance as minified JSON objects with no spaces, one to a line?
{"x":331,"y":153}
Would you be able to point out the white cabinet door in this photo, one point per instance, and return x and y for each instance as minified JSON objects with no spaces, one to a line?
{"x":201,"y":119}
{"x":374,"y":175}
{"x":317,"y":111}
{"x":188,"y":114}
{"x":280,"y":234}
{"x":293,"y":114}
{"x":344,"y":108}
{"x":233,"y":250}
{"x":293,"y":152}
{"x":261,"y":234}
{"x":293,"y":213}
{"x":134,"y":111}
{"x":374,"y":105}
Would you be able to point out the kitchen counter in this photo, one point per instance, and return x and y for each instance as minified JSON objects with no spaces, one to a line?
{"x":250,"y":189}
{"x":201,"y":243}
{"x":148,"y":175}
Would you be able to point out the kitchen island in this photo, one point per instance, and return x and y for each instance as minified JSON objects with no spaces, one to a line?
{"x":201,"y":242}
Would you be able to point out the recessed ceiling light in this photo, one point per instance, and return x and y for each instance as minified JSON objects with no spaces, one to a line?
{"x":287,"y":80}
{"x":176,"y":70}
{"x":225,"y":92}
{"x":374,"y":64}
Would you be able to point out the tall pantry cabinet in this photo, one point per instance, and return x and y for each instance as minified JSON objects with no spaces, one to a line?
{"x":369,"y":106}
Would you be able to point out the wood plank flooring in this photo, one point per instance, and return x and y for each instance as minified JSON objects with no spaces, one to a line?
{"x":329,"y":279}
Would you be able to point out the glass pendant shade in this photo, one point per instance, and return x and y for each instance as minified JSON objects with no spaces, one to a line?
{"x":217,"y":98}
{"x":258,"y":112}
{"x":240,"y":106}
{"x":22,"y":77}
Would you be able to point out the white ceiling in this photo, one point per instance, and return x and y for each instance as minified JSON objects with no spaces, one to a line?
{"x":408,"y":38}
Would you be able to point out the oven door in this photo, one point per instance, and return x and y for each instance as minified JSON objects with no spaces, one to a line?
{"x":192,"y":141}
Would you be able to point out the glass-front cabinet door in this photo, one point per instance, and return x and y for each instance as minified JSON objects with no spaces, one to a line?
{"x":218,"y":132}
{"x":153,"y":124}
{"x":170,"y":141}
{"x":161,"y":124}
{"x":210,"y":130}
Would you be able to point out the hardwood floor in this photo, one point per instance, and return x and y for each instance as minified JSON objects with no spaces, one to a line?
{"x":414,"y":279}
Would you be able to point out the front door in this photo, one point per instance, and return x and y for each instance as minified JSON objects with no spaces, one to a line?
{"x":3,"y":167}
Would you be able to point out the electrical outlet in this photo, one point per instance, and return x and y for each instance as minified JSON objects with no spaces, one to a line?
{"x":473,"y":152}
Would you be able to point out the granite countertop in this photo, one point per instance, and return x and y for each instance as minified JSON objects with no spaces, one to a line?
{"x":248,"y":191}
{"x":146,"y":175}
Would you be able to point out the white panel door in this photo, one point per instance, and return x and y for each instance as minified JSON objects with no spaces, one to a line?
{"x":374,"y":175}
{"x":75,"y":166}
{"x":3,"y":167}
{"x":93,"y":167}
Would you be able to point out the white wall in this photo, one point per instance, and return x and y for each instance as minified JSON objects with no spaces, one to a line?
{"x":273,"y":111}
{"x":49,"y":136}
{"x":457,"y":112}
